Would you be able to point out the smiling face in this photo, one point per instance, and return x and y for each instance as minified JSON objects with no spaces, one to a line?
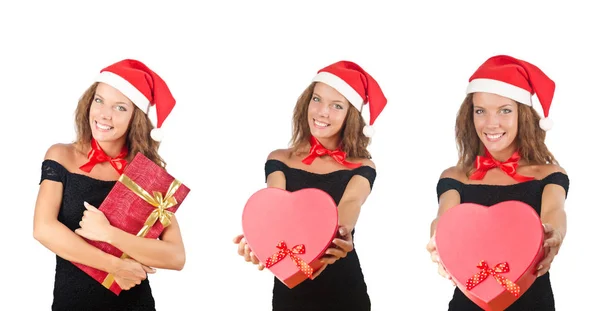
{"x":327,"y":112}
{"x":496,"y":121}
{"x":110,"y":114}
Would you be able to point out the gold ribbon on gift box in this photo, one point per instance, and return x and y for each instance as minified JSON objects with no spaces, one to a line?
{"x":160,"y":213}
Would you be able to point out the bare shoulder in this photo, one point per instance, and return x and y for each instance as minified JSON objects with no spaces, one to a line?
{"x":453,"y":172}
{"x":61,"y":153}
{"x":280,"y":154}
{"x":368,"y":162}
{"x":542,"y":171}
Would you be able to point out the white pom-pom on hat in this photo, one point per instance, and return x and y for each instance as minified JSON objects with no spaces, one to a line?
{"x":156,"y":134}
{"x":546,"y":124}
{"x":369,"y":131}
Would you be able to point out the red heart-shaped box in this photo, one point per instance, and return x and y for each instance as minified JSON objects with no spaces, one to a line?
{"x":290,"y":231}
{"x":507,"y":237}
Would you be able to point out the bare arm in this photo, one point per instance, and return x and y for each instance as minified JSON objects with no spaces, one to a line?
{"x":166,"y":253}
{"x":447,"y":200}
{"x":356,"y":193}
{"x":57,"y":237}
{"x":553,"y":208}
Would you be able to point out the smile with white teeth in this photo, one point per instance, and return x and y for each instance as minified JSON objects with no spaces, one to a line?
{"x":320,"y":123}
{"x":494,"y":136}
{"x":103,"y":127}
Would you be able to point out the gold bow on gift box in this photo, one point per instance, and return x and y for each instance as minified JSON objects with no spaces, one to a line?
{"x":160,"y":213}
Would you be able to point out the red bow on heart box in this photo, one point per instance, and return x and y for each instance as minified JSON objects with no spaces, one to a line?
{"x":507,"y":232}
{"x":306,"y":218}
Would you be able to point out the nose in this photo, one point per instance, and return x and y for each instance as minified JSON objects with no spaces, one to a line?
{"x":324,"y":110}
{"x":106,"y":112}
{"x":492,"y":120}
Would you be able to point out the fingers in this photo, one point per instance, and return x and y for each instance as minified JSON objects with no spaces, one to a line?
{"x":247,"y":253}
{"x":241,"y":246}
{"x":435,"y":257}
{"x":336,"y":252}
{"x":344,"y":245}
{"x":548,"y":228}
{"x":148,"y":269}
{"x":552,"y":242}
{"x":343,"y":231}
{"x":238,"y":238}
{"x":89,"y":207}
{"x":545,"y":264}
{"x":318,"y":272}
{"x":253,"y":258}
{"x":328,"y":259}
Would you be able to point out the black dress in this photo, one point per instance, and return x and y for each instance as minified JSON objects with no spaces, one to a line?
{"x":340,"y":286}
{"x":539,"y":297}
{"x":73,"y":288}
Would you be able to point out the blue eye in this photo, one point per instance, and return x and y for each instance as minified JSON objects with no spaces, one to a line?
{"x":315,"y":99}
{"x":506,"y":111}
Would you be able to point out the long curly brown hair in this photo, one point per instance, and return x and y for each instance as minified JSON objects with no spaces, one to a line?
{"x":138,"y":133}
{"x":530,"y":137}
{"x":354,"y":142}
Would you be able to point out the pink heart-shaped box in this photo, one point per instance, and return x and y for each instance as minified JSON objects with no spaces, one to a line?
{"x":279,"y":222}
{"x":507,"y":237}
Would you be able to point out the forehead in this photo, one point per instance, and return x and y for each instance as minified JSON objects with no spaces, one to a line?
{"x":481,"y":99}
{"x":110,"y":93}
{"x":328,"y":92}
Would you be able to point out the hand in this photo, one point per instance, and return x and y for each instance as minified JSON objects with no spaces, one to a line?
{"x":245,"y":251}
{"x":130,"y":273}
{"x":552,"y":242}
{"x":127,"y":284}
{"x":94,"y":225}
{"x":435,"y":257}
{"x":341,"y":247}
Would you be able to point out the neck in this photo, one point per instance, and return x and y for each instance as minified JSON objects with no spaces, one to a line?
{"x":113,"y":148}
{"x":504,"y":154}
{"x":331,"y":143}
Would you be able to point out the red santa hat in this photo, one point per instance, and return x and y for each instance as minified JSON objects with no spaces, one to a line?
{"x":515,"y":79}
{"x":357,"y":86}
{"x":143,"y":87}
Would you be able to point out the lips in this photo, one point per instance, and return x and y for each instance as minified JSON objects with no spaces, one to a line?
{"x":320,"y":124}
{"x":494,"y":136}
{"x":104,"y":127}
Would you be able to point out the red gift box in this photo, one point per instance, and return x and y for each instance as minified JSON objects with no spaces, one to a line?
{"x":141,"y":203}
{"x":290,"y":231}
{"x":491,"y":253}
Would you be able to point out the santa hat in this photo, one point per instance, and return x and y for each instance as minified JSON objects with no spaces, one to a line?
{"x":515,"y":79}
{"x":357,"y":86}
{"x":143,"y":87}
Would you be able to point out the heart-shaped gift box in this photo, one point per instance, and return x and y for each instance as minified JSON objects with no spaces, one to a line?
{"x":491,"y":252}
{"x":290,"y":231}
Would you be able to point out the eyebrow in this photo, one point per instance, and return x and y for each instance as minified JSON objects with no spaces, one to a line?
{"x":124,"y":103}
{"x":335,"y":101}
{"x":501,"y":107}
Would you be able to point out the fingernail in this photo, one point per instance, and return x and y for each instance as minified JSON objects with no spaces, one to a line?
{"x":540,"y":267}
{"x":86,"y":203}
{"x":243,"y":240}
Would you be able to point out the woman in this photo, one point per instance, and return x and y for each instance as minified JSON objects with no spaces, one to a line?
{"x":329,"y":152}
{"x":502,"y":156}
{"x":112,"y":127}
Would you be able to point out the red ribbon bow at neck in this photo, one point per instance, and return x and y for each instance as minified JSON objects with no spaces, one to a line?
{"x":487,"y":162}
{"x":317,"y":150}
{"x":97,"y":155}
{"x":285,"y":251}
{"x":487,"y":271}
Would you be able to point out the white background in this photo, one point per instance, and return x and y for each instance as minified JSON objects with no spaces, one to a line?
{"x":236,"y":70}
